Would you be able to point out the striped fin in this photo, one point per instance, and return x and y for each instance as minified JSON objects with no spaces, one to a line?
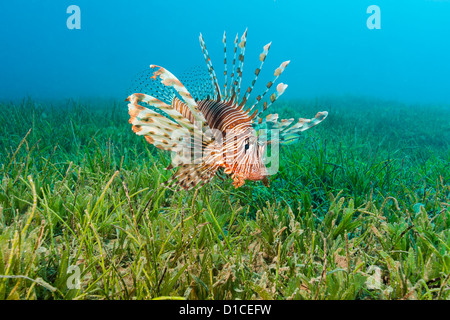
{"x":232,"y":92}
{"x":168,"y":79}
{"x":283,"y":124}
{"x":271,"y":122}
{"x":189,"y":176}
{"x":274,"y":97}
{"x":262,"y":58}
{"x":241,"y":63}
{"x":171,"y":110}
{"x":185,"y":113}
{"x":210,"y":67}
{"x":156,"y":128}
{"x":197,"y":81}
{"x":165,"y":133}
{"x":183,"y":109}
{"x":224,"y":40}
{"x":144,"y":84}
{"x":292,"y":133}
{"x":277,"y":73}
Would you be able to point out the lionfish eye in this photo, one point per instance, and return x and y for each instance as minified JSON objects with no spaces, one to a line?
{"x":247,"y":144}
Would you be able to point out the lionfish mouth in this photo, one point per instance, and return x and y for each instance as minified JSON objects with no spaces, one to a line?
{"x":197,"y":105}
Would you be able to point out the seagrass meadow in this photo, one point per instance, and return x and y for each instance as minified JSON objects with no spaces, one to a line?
{"x":359,"y":209}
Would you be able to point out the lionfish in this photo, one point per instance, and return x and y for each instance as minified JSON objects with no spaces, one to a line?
{"x":207,"y":128}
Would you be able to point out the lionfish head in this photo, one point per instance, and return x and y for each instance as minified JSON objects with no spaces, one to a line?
{"x":244,"y":156}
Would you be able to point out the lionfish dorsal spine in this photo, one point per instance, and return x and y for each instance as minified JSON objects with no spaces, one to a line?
{"x":225,"y":93}
{"x":231,"y":93}
{"x":241,"y":63}
{"x":262,"y":58}
{"x":211,"y":71}
{"x":281,"y":87}
{"x":277,"y":73}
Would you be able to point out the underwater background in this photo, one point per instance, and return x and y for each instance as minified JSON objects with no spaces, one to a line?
{"x":359,"y":208}
{"x":331,"y":48}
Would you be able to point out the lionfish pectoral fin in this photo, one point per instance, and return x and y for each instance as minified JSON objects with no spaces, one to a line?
{"x":168,"y":127}
{"x":153,"y":126}
{"x":291,"y":133}
{"x":169,"y":80}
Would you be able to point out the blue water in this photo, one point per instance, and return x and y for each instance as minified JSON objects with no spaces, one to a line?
{"x":332,"y":51}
